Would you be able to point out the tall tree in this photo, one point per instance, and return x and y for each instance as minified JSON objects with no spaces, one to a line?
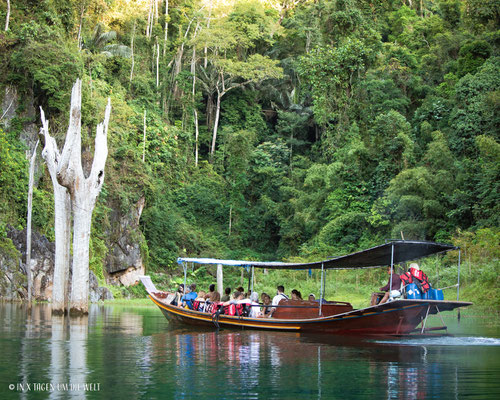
{"x":83,"y":191}
{"x":233,"y":74}
{"x":28,"y":223}
{"x":62,"y":221}
{"x":7,"y":17}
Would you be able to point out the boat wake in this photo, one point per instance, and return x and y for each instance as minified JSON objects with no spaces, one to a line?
{"x":444,"y":341}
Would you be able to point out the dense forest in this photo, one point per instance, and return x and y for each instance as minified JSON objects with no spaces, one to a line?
{"x":265,"y":129}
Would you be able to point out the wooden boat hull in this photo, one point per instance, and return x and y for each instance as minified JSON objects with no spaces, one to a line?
{"x":398,"y":317}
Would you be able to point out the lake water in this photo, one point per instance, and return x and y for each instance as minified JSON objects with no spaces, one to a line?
{"x":120,"y":352}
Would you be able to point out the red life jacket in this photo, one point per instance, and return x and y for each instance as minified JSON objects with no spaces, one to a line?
{"x":418,"y":277}
{"x":196,"y":305}
{"x":406,"y":278}
{"x":239,"y":309}
{"x":230,"y":309}
{"x":214,"y":307}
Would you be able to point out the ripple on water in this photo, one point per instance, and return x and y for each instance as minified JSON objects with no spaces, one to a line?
{"x":445,"y":341}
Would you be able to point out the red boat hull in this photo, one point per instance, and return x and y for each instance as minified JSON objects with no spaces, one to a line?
{"x":398,"y":317}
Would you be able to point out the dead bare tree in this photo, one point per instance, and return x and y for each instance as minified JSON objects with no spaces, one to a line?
{"x":83,"y":191}
{"x":62,"y":221}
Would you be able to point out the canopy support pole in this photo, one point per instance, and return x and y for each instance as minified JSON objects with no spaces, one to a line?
{"x":392,"y":268}
{"x":321,"y":288}
{"x":249,"y":279}
{"x":458,"y":283}
{"x":252,"y":279}
{"x":458,"y":278}
{"x":184,"y":267}
{"x":220,"y":280}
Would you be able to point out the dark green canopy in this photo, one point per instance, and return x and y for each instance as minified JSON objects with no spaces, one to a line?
{"x":378,"y":256}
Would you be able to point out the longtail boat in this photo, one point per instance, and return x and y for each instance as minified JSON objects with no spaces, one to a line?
{"x":399,"y":316}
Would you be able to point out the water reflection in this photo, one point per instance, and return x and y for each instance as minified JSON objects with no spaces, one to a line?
{"x":256,"y":360}
{"x":134,"y":353}
{"x":57,"y":345}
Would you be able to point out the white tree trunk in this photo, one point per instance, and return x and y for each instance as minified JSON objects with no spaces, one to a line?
{"x":83,"y":192}
{"x":216,"y":123}
{"x":196,"y":137}
{"x":205,"y":50}
{"x":7,"y":18}
{"x":62,"y":229}
{"x":157,"y":63}
{"x":62,"y":222}
{"x":144,"y":140}
{"x":132,"y":53}
{"x":148,"y":31}
{"x":195,"y":112}
{"x":166,"y":29}
{"x":28,"y":223}
{"x":79,"y":39}
{"x":83,"y":206}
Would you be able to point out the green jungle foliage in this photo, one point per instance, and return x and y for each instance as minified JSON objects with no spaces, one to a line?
{"x":273,"y":130}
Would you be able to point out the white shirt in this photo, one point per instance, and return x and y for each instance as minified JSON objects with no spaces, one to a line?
{"x":255,"y":311}
{"x":278,"y":298}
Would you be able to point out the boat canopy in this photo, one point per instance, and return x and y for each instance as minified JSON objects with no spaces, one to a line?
{"x":393,"y":252}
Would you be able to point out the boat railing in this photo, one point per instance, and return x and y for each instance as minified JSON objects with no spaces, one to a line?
{"x":307,"y":309}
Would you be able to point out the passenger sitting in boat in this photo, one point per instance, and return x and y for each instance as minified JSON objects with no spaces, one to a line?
{"x":312,"y":297}
{"x":280,"y":295}
{"x":211,"y":293}
{"x":212,"y":300}
{"x":226,"y":297}
{"x":416,"y":276}
{"x":392,"y":291}
{"x":236,"y":297}
{"x":234,"y":306}
{"x":213,"y":296}
{"x":254,"y":311}
{"x":190,"y":296}
{"x":296,"y":295}
{"x":211,"y":289}
{"x":178,"y":295}
{"x":266,"y":302}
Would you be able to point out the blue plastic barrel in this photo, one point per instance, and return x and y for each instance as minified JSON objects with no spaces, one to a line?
{"x":436,"y":294}
{"x":412,"y":292}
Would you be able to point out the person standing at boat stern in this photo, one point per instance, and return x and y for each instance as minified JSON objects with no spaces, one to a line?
{"x":389,"y":290}
{"x":280,"y":295}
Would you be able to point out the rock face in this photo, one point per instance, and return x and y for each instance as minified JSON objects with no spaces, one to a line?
{"x":13,"y":281}
{"x":9,"y":109}
{"x":124,"y":262}
{"x":96,"y":292}
{"x":42,"y":262}
{"x":9,"y":105}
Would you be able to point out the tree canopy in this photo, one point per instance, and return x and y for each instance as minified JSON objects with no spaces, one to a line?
{"x":269,"y":129}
